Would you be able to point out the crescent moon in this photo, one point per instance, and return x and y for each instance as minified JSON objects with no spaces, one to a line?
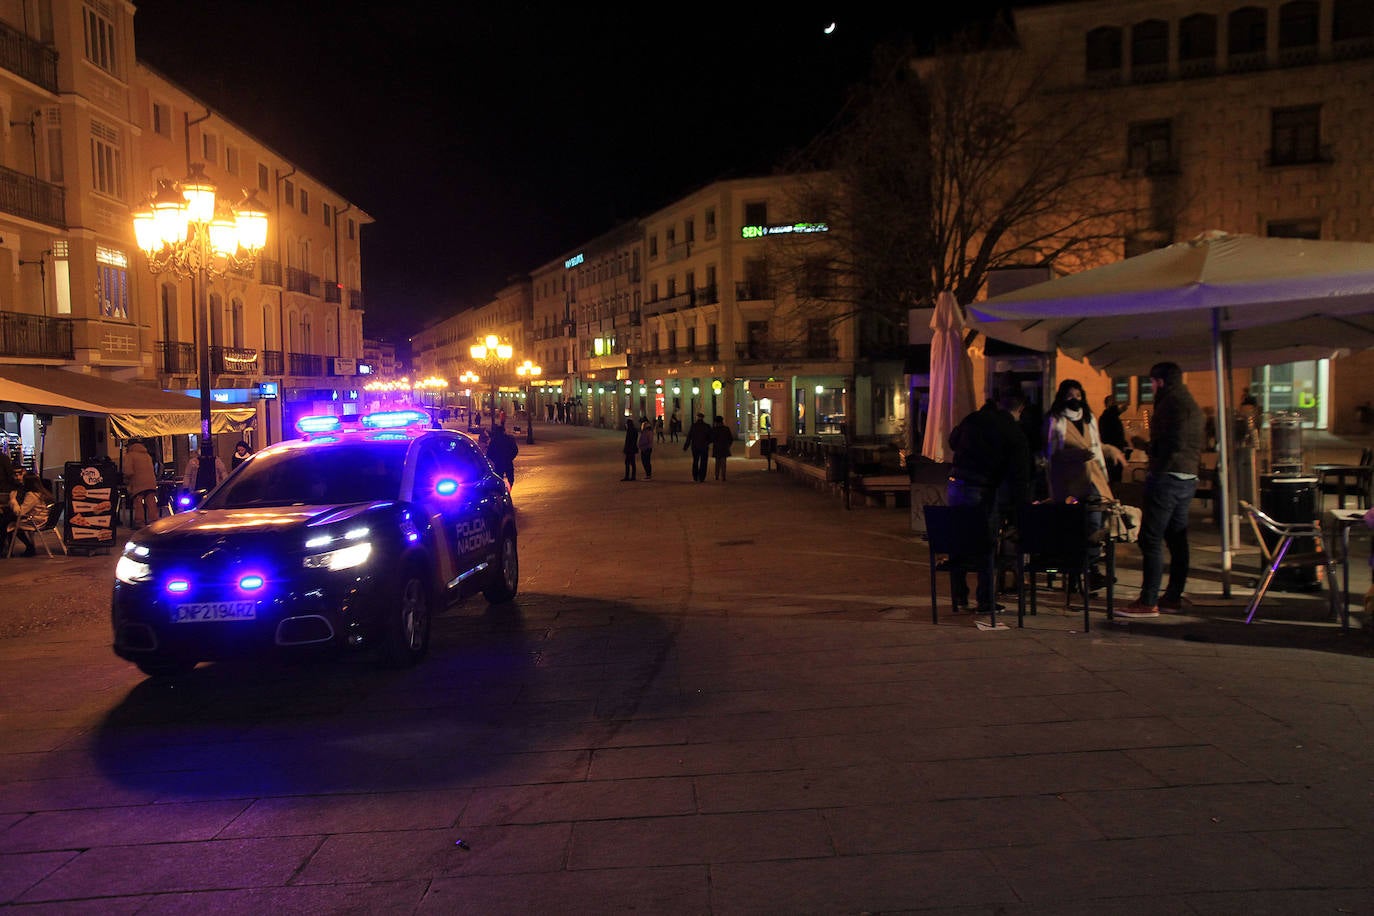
{"x":830,"y":28}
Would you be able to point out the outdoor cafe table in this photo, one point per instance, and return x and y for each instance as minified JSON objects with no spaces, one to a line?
{"x":1341,"y":473}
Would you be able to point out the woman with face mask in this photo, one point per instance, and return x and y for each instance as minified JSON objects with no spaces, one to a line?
{"x":1076,"y":455}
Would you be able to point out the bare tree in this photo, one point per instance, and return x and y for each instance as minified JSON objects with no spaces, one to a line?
{"x":954,"y":165}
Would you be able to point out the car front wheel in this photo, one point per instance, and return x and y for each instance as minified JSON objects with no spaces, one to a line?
{"x":407,"y":623}
{"x":505,"y":577}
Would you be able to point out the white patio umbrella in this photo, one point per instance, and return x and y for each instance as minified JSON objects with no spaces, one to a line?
{"x":1202,"y":304}
{"x":951,"y":378}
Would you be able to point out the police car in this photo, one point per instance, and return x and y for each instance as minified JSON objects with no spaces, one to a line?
{"x":341,"y":539}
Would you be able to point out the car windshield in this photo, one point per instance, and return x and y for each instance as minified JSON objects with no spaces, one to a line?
{"x":315,"y":475}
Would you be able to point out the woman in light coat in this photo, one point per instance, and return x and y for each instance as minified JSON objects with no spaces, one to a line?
{"x":140,"y":479}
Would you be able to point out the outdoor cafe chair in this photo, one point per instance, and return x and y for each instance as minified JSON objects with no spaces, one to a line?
{"x":39,"y":527}
{"x":1053,"y":537}
{"x":960,"y":535}
{"x":1280,"y":554}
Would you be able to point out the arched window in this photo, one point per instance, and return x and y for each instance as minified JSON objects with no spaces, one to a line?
{"x":1104,"y":52}
{"x":1246,"y":35}
{"x":235,"y":316}
{"x":269,"y":327}
{"x":330,"y":337}
{"x":1298,"y":25}
{"x":1197,"y":39}
{"x":1150,"y":50}
{"x":216,"y":318}
{"x":1352,"y":21}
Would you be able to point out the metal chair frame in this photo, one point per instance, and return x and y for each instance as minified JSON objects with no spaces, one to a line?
{"x":40,"y":532}
{"x":1279,"y":555}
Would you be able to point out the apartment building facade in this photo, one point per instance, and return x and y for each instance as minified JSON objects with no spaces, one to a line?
{"x":1248,"y":117}
{"x":86,"y":133}
{"x":295,"y":319}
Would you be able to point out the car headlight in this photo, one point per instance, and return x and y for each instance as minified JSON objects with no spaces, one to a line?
{"x":343,"y":558}
{"x":131,"y":571}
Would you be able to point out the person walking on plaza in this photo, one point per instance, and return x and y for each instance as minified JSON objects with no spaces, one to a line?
{"x":1171,"y":480}
{"x":501,"y":451}
{"x":721,"y":439}
{"x":674,"y":427}
{"x":646,"y":448}
{"x":630,"y":448}
{"x":698,"y":439}
{"x":140,"y":479}
{"x":658,"y":428}
{"x":990,"y":471}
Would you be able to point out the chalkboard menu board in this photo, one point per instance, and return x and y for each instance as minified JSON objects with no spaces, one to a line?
{"x":91,"y":502}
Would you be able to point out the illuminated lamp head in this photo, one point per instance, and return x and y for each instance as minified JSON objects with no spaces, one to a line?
{"x":324,"y":423}
{"x":396,"y":419}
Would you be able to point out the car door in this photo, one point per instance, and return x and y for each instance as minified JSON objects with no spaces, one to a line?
{"x":446,"y":492}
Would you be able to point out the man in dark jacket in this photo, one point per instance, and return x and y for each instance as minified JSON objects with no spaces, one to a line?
{"x":1175,"y":451}
{"x":991,"y":470}
{"x":698,"y":439}
{"x":502,"y":451}
{"x":1112,"y":431}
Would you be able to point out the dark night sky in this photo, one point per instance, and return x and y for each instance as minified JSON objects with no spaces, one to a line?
{"x":485,"y":139}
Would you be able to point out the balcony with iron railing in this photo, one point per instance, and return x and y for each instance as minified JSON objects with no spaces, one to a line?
{"x":669,"y":303}
{"x":305,"y":364}
{"x":332,"y":291}
{"x":355,"y":299}
{"x":769,"y":351}
{"x":233,"y":360}
{"x":270,"y":271}
{"x":707,"y":352}
{"x":26,"y":196}
{"x":176,"y":358}
{"x":746,"y":291}
{"x":299,"y":281}
{"x":706,"y":295}
{"x":35,"y":62}
{"x":35,"y":336}
{"x":272,"y":362}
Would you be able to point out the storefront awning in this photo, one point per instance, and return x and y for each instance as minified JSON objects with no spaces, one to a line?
{"x":133,"y":410}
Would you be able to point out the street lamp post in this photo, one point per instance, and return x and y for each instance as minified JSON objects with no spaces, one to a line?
{"x":528,"y":370}
{"x":470,"y":378}
{"x":493,"y":355}
{"x":183,"y":230}
{"x":433,"y":386}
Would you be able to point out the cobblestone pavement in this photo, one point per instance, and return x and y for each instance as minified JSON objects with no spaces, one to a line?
{"x":708,"y":698}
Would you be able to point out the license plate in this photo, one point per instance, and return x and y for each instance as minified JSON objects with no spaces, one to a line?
{"x":209,"y":611}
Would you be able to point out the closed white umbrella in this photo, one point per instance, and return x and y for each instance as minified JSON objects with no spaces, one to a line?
{"x":951,"y":378}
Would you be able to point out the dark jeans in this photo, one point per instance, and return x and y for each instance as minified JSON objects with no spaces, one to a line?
{"x":960,"y":493}
{"x":699,"y":457}
{"x":630,"y":466}
{"x":646,"y":457}
{"x":1165,"y":522}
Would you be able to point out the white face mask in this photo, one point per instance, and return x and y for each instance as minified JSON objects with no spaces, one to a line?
{"x":1074,"y":415}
